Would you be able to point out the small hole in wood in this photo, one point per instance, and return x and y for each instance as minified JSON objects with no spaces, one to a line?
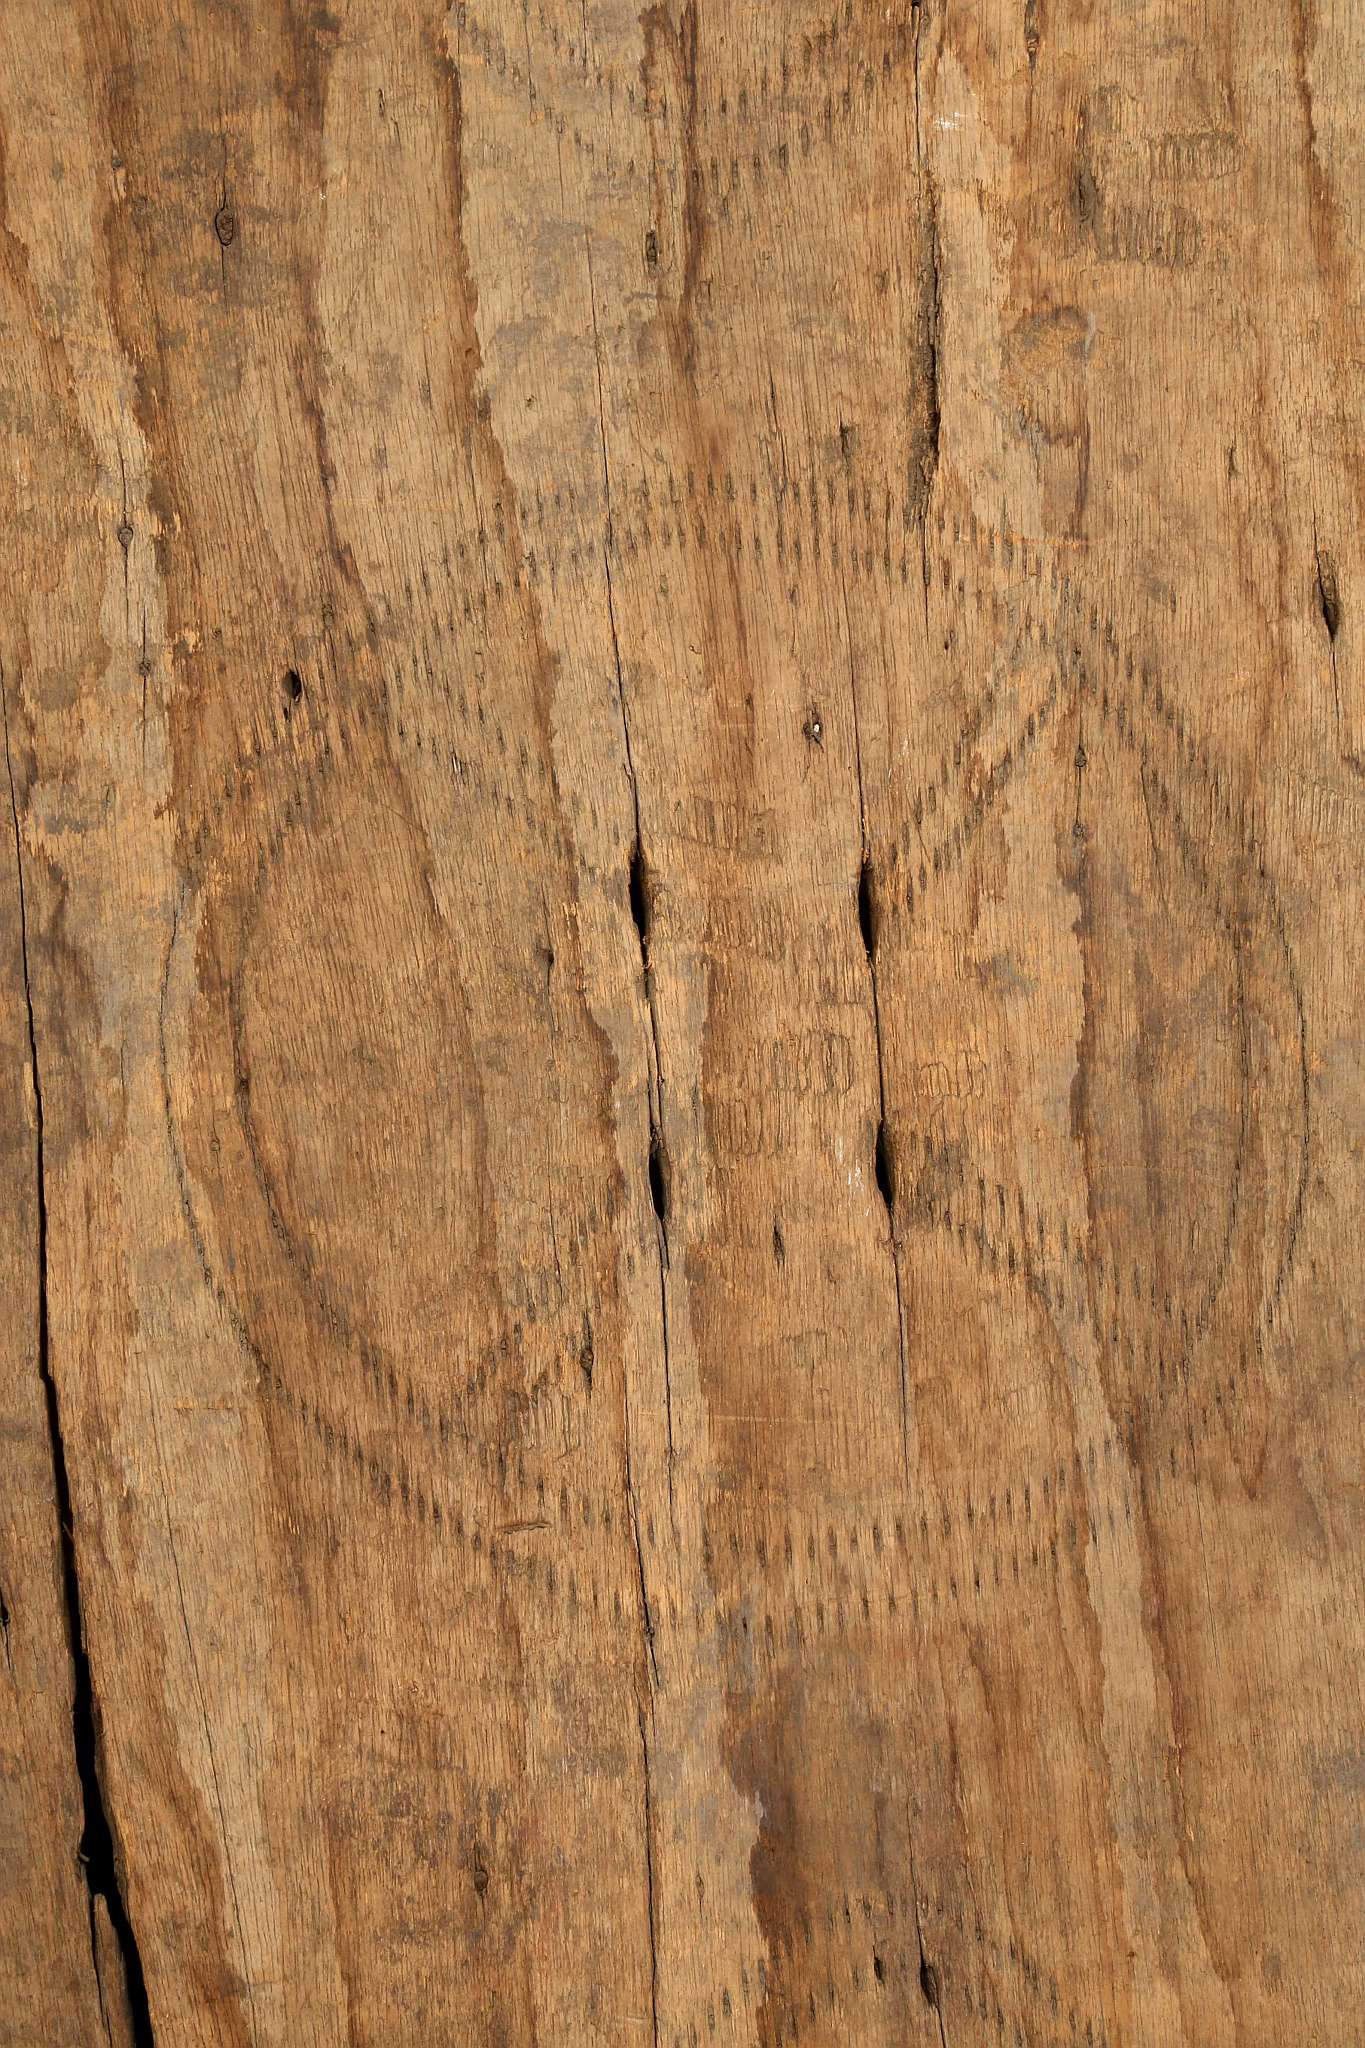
{"x":659,"y":1191}
{"x":885,"y":1167}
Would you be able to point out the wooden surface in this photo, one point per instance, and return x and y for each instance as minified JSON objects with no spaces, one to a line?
{"x":681,"y":953}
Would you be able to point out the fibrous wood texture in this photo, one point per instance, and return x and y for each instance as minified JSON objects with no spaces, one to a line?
{"x":681,"y":957}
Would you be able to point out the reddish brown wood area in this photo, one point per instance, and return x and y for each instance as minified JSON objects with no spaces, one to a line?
{"x":680,"y":1064}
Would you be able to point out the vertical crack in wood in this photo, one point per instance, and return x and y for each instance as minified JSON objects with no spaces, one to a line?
{"x":884,"y":1167}
{"x":96,"y":1854}
{"x":656,"y":1076}
{"x":657,"y":1172}
{"x":883,"y":1162}
{"x":931,"y":315}
{"x":1328,"y":594}
{"x":650,"y":1891}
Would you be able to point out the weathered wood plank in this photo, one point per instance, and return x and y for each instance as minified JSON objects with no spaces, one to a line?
{"x":682,"y":1099}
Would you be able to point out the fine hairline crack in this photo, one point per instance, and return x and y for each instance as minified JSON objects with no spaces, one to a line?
{"x":656,"y":1141}
{"x":931,"y":319}
{"x":928,"y":1975}
{"x":96,"y":1852}
{"x":879,"y":1041}
{"x":657,"y":1138}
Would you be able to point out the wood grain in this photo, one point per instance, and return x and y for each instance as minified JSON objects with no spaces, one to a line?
{"x":681,"y":1103}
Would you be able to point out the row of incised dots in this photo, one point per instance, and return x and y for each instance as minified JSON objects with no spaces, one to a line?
{"x":1245,"y":820}
{"x":421,"y":683}
{"x":1152,"y":1370}
{"x":788,"y":1547}
{"x":1145,"y":697}
{"x":1007,"y":1541}
{"x":949,"y":849}
{"x":1141,"y":683}
{"x":711,"y":524}
{"x":820,"y":480}
{"x":526,"y":809}
{"x":828,"y":484}
{"x":1012,"y":1958}
{"x":310,"y":744}
{"x":811,"y":505}
{"x":894,"y":561}
{"x":873,"y":1610}
{"x":826,"y":508}
{"x":984,"y":2004}
{"x":1038,"y":1542}
{"x":726,"y":183}
{"x":1028,"y":1256}
{"x":1025,"y":1257}
{"x":980,"y":2004}
{"x":788,"y":2017}
{"x":766,"y":92}
{"x":872,"y":1971}
{"x":859,"y":519}
{"x":1027,"y":630}
{"x":859,"y":1936}
{"x":310,"y":747}
{"x":719,"y":2009}
{"x":952,"y":844}
{"x":1030,"y":1514}
{"x":1004,"y":1541}
{"x":1242,"y":818}
{"x":1012,"y":1507}
{"x":450,"y":1427}
{"x":538,"y":570}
